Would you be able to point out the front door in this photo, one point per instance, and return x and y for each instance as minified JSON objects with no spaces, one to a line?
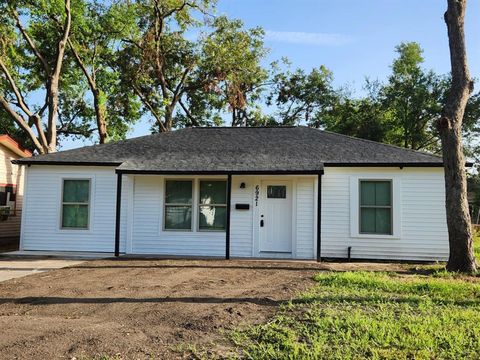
{"x":276,"y":217}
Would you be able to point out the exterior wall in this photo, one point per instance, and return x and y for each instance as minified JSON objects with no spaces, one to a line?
{"x":420,"y":226}
{"x":147,"y":235}
{"x":41,"y":216}
{"x":420,"y":230}
{"x":244,"y":240}
{"x":11,"y":174}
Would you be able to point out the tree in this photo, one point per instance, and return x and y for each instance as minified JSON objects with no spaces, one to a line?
{"x":449,"y":126}
{"x":31,"y":58}
{"x":301,"y":97}
{"x":96,"y":30}
{"x":364,"y":117}
{"x":187,"y":82}
{"x":232,"y":56}
{"x":414,"y":97}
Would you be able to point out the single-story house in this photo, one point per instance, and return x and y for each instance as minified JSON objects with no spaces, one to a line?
{"x":11,"y":191}
{"x":285,"y":192}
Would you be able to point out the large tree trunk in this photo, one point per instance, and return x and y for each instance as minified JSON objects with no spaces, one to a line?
{"x":461,"y":257}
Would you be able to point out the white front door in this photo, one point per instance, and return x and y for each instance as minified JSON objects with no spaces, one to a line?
{"x":276,"y":217}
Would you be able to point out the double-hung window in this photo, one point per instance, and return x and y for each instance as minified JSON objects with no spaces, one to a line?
{"x":178,"y":205}
{"x":212,"y":205}
{"x":376,"y":207}
{"x":75,"y":204}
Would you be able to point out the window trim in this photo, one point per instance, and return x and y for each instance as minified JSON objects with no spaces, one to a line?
{"x":199,"y":205}
{"x":360,"y":206}
{"x":89,"y":204}
{"x":354,"y":201}
{"x":164,"y":216}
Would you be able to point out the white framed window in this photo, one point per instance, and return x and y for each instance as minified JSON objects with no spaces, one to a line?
{"x":75,"y":209}
{"x":178,"y":205}
{"x":375,"y":206}
{"x":212,"y":207}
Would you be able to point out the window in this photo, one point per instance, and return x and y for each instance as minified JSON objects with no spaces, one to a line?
{"x":75,"y":204}
{"x":212,"y":205}
{"x":276,"y":192}
{"x":376,"y":207}
{"x":7,"y":194}
{"x":178,"y":205}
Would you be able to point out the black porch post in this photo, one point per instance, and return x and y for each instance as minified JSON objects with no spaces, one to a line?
{"x":117,"y":214}
{"x":227,"y":225}
{"x":319,"y":217}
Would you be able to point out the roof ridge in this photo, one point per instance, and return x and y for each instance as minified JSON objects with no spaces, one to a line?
{"x":243,"y":127}
{"x":378,"y":143}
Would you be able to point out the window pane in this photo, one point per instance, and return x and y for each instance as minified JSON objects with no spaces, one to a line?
{"x":367,"y":193}
{"x":383,"y":222}
{"x":212,"y":217}
{"x":382,"y":193}
{"x":76,"y":191}
{"x":213,"y":192}
{"x":178,"y":192}
{"x":367,"y":220}
{"x":276,"y":192}
{"x":178,"y":217}
{"x":75,"y":216}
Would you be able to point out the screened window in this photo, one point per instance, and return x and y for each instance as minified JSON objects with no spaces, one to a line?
{"x":75,"y":204}
{"x":178,"y":205}
{"x":213,"y":205}
{"x":375,"y":207}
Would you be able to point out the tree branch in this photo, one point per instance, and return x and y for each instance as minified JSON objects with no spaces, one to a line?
{"x":20,"y":121}
{"x":54,"y":81}
{"x":30,"y":42}
{"x":150,"y":107}
{"x":16,"y":91}
{"x":188,"y":113}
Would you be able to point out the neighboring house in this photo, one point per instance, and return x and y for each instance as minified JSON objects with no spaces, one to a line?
{"x":11,"y":191}
{"x":288,"y":192}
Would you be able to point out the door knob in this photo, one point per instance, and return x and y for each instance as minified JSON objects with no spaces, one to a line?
{"x":261,"y":223}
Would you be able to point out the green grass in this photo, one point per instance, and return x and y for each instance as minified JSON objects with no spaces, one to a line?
{"x":476,"y":244}
{"x":366,"y":315}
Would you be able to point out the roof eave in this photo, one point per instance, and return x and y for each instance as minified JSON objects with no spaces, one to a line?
{"x":220,"y":172}
{"x":65,"y":163}
{"x":386,"y":164}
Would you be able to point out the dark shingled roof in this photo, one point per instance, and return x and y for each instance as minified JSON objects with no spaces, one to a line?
{"x":242,"y":149}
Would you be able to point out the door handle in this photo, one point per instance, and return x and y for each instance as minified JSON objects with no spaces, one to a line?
{"x":261,"y":223}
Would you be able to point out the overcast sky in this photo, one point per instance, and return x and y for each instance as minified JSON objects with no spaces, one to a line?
{"x":354,"y":39}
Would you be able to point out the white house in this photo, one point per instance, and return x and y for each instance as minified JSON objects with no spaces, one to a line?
{"x":287,"y":192}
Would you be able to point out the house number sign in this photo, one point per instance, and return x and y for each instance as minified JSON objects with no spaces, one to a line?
{"x":257,"y":192}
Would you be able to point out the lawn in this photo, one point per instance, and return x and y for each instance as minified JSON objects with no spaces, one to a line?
{"x":373,"y":315}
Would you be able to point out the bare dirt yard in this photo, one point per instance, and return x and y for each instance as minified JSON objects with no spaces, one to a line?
{"x":144,"y":309}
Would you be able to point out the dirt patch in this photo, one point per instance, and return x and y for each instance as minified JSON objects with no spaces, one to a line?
{"x":140,"y":308}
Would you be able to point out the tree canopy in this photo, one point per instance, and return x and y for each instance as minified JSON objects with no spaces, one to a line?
{"x":92,"y":69}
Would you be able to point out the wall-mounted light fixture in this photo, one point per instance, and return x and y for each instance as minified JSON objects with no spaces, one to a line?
{"x":242,"y":185}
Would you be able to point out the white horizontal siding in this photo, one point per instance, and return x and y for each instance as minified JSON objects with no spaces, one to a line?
{"x":41,"y":225}
{"x":423,"y":234}
{"x":147,"y":218}
{"x":305,"y":218}
{"x":241,"y":221}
